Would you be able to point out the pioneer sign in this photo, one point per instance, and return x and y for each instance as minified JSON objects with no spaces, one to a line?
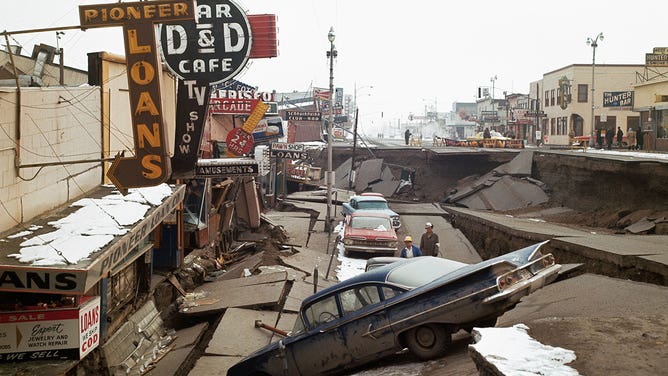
{"x":151,"y":164}
{"x":214,"y":49}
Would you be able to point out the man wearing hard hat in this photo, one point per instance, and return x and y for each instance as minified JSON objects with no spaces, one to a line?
{"x":429,"y":241}
{"x":410,"y":250}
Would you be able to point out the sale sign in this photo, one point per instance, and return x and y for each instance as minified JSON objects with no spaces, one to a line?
{"x":51,"y":333}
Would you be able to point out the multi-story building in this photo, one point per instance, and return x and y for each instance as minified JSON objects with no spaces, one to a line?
{"x":564,"y":101}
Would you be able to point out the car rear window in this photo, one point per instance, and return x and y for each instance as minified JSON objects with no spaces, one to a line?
{"x":371,"y":223}
{"x":370,"y":205}
{"x":422,"y":270}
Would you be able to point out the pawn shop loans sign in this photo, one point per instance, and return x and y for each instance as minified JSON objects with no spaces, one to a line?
{"x":151,"y":164}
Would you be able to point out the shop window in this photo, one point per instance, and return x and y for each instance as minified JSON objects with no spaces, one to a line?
{"x":131,"y":278}
{"x":583,"y":90}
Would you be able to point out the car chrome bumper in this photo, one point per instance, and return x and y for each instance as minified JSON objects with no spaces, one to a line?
{"x":369,"y":249}
{"x":527,"y":286}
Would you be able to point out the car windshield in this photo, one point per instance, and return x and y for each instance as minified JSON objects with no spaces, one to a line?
{"x":371,"y":223}
{"x":422,"y":271}
{"x":372,"y":205}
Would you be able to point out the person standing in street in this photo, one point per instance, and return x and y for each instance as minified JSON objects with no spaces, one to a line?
{"x":429,"y":245}
{"x":410,"y":249}
{"x":407,"y":135}
{"x":620,"y":135}
{"x":609,"y":136}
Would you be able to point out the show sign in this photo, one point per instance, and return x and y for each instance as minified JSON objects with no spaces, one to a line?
{"x":214,"y":49}
{"x":151,"y":164}
{"x":50,"y":334}
{"x":192,"y":97}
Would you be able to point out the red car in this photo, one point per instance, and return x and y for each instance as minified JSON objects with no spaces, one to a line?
{"x":369,"y":232}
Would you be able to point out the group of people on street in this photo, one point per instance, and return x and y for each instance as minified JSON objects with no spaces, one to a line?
{"x":429,"y":244}
{"x":634,"y":138}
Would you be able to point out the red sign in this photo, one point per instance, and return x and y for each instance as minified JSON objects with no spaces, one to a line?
{"x":239,"y":142}
{"x":263,"y":28}
{"x":232,"y":106}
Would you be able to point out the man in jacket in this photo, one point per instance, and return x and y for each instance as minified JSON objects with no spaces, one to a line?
{"x":410,"y":249}
{"x":429,"y":241}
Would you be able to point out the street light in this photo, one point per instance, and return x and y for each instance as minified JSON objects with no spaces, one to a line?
{"x":593,"y":43}
{"x":493,"y":81}
{"x":331,"y":54}
{"x":351,"y":174}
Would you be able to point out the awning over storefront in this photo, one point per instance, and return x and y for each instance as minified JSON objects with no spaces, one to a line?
{"x":40,"y":256}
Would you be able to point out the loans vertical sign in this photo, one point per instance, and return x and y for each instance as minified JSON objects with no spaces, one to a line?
{"x":151,"y":164}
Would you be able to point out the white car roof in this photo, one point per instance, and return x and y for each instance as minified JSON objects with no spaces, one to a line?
{"x":422,"y":270}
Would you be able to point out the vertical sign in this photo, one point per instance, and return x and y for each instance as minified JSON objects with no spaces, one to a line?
{"x":151,"y":164}
{"x":192,"y":98}
{"x":210,"y":51}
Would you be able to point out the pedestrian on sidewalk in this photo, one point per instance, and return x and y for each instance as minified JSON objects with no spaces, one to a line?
{"x":640,"y":140}
{"x":429,"y":245}
{"x":410,"y":249}
{"x":407,"y":135}
{"x":609,"y":136}
{"x":631,"y":138}
{"x":620,"y":135}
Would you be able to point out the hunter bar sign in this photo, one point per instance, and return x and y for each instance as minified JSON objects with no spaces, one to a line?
{"x":618,"y":98}
{"x":151,"y":164}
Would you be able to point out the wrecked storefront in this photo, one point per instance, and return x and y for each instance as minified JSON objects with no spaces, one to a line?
{"x":72,"y":277}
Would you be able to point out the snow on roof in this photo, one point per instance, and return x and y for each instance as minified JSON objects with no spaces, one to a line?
{"x":89,"y":228}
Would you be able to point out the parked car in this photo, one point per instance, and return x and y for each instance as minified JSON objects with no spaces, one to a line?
{"x":369,"y":232}
{"x":415,"y":304}
{"x":377,"y":262}
{"x":370,"y":201}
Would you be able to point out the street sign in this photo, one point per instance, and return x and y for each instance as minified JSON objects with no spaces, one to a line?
{"x":535,"y":114}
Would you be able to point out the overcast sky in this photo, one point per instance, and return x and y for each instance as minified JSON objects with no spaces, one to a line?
{"x":414,"y":54}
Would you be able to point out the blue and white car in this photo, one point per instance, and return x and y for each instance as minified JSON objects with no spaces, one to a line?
{"x":372,"y":202}
{"x":414,"y":303}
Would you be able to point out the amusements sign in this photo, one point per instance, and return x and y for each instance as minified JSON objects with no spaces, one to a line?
{"x":151,"y":164}
{"x":49,"y":334}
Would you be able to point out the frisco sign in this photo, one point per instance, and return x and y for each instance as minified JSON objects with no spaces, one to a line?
{"x":150,"y":166}
{"x":618,"y":98}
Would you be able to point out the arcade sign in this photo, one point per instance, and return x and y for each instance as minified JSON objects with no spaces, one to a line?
{"x":220,"y":48}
